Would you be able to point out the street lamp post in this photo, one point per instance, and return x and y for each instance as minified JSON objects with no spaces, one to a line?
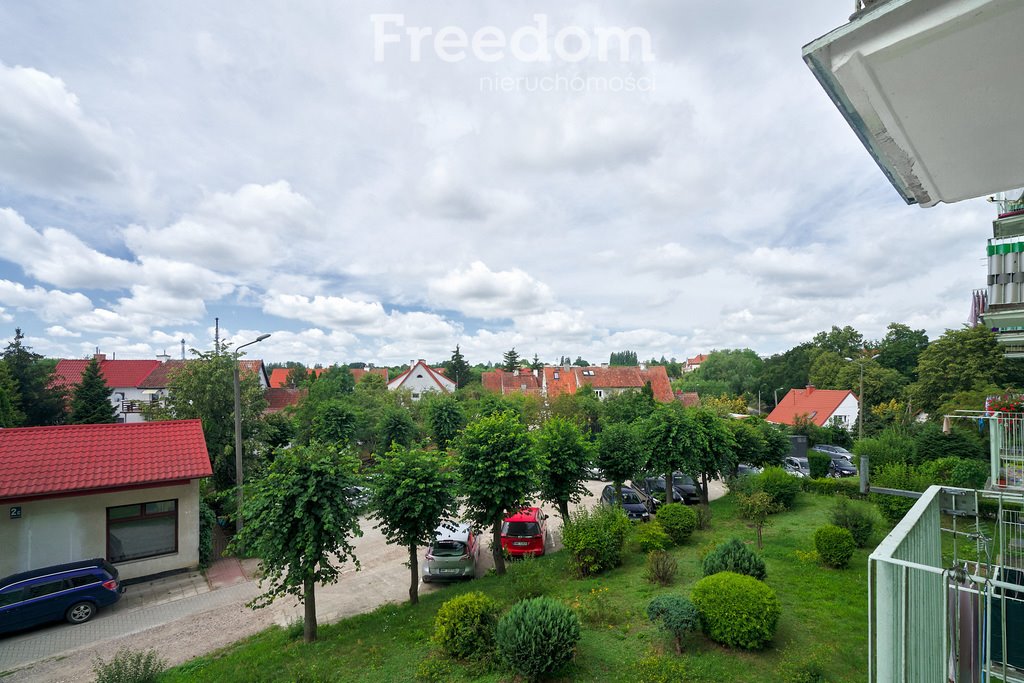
{"x":238,"y":429}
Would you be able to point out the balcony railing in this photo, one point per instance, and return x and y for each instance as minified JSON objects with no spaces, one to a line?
{"x":1006,"y":446}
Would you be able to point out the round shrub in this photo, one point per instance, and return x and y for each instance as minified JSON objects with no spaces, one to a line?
{"x":857,"y":520}
{"x":594,"y":539}
{"x":835,"y":545}
{"x":780,"y":485}
{"x":675,"y":614}
{"x":464,"y":625}
{"x":678,"y":521}
{"x":537,"y":636}
{"x":818,"y":463}
{"x":737,"y":610}
{"x":734,"y":556}
{"x":652,"y":536}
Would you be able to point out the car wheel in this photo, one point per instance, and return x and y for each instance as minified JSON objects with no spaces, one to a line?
{"x":80,"y":612}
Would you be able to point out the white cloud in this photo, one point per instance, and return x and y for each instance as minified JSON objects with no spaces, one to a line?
{"x":47,"y":304}
{"x":59,"y":331}
{"x":480,"y":292}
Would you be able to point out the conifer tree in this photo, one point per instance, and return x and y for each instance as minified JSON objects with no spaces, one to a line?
{"x":90,"y":401}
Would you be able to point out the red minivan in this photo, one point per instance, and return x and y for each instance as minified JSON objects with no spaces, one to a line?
{"x":524,"y":533}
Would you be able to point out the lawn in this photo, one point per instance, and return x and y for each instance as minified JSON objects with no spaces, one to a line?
{"x":824,"y":614}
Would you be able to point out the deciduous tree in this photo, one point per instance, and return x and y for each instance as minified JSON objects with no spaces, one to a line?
{"x":620,"y":453}
{"x":90,"y":400}
{"x":445,"y":418}
{"x":712,"y":449}
{"x":956,"y":362}
{"x":564,"y":455}
{"x":900,"y":349}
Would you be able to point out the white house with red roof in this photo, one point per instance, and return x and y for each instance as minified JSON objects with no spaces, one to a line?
{"x":126,"y":492}
{"x":421,"y":378}
{"x":820,"y":406}
{"x":695,"y":362}
{"x":124,"y":377}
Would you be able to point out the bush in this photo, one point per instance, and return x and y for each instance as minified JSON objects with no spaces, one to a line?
{"x":678,"y":520}
{"x":959,"y":472}
{"x":818,"y":463}
{"x":652,"y":536}
{"x":661,"y":669}
{"x":207,"y":520}
{"x":889,"y":446}
{"x":849,"y":487}
{"x":129,"y":666}
{"x":734,"y":556}
{"x":744,"y":483}
{"x":703,"y":516}
{"x":835,"y":545}
{"x":594,"y":539}
{"x":737,"y":610}
{"x":780,"y":485}
{"x":464,"y":625}
{"x":896,"y":476}
{"x":537,"y":636}
{"x":661,"y":567}
{"x":858,"y":521}
{"x":596,"y":607}
{"x":527,"y":578}
{"x":675,"y":614}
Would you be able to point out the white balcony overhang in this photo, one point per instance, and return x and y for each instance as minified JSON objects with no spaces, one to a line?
{"x":932,"y":89}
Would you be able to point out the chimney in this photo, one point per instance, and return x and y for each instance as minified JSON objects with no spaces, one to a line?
{"x":810,"y":389}
{"x":163,"y":357}
{"x":100,"y":356}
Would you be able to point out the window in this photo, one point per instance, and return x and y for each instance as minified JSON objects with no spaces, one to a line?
{"x":11,"y":597}
{"x":41,"y":589}
{"x":600,"y":393}
{"x":142,"y":530}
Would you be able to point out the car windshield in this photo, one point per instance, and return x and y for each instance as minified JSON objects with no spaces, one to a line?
{"x":630,"y":498}
{"x":522,"y":529}
{"x":448,"y":549}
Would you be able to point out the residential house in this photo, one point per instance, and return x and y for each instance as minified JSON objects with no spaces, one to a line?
{"x":421,"y":378}
{"x":359,"y":373}
{"x":820,"y":406}
{"x":124,"y":378}
{"x":695,"y":362}
{"x":689,"y":399}
{"x":279,"y":376}
{"x":279,"y":398}
{"x":522,"y":381}
{"x":126,"y":492}
{"x":607,"y":381}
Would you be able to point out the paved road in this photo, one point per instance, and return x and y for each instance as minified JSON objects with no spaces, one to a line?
{"x":181,"y":629}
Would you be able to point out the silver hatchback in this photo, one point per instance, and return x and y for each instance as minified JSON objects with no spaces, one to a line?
{"x":453,"y":554}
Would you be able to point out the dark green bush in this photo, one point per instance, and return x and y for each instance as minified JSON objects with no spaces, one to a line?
{"x":859,"y":521}
{"x":207,"y":520}
{"x":464,"y":625}
{"x":652,"y":536}
{"x":835,"y":545}
{"x":818,"y":463}
{"x":896,"y":476}
{"x":661,"y":567}
{"x":537,"y":637}
{"x":953,"y":471}
{"x":528,"y":578}
{"x":779,"y":484}
{"x":849,"y":487}
{"x":594,"y":539}
{"x":675,"y":614}
{"x":933,"y":443}
{"x":678,"y":521}
{"x":129,"y":666}
{"x":743,"y":483}
{"x":734,"y":556}
{"x":737,"y":610}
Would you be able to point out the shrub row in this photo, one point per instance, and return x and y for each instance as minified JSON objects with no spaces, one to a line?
{"x":849,"y":487}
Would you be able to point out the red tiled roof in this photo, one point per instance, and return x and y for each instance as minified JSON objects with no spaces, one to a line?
{"x":46,"y":461}
{"x":443,"y":383}
{"x":502,"y":382}
{"x":560,"y":380}
{"x":161,"y":376}
{"x":116,"y":373}
{"x":661,"y":386}
{"x":357,"y":373}
{"x":816,"y":404}
{"x":619,"y":377}
{"x":689,"y":399}
{"x":279,"y":376}
{"x":279,"y":398}
{"x":697,"y":360}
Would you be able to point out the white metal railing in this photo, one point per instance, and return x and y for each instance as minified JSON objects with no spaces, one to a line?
{"x":1006,"y":440}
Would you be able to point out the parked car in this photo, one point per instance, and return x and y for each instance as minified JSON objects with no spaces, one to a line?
{"x":525,"y":533}
{"x":637,"y":505}
{"x":744,"y":469}
{"x":453,"y":554}
{"x":834,"y":451}
{"x":72,"y":591}
{"x":358,"y":496}
{"x":841,"y":467}
{"x":684,"y":490}
{"x":798,"y":467}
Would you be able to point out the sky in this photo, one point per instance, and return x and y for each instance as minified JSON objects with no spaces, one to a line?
{"x":381,"y":181}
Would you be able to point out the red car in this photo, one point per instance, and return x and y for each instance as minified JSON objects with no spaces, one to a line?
{"x":524,"y":533}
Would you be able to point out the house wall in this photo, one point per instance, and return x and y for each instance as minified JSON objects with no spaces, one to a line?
{"x":130,"y":394}
{"x":57,"y":530}
{"x":419,"y":381}
{"x":847,"y":409}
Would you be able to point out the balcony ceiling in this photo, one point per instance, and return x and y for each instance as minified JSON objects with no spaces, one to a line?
{"x":934,"y":89}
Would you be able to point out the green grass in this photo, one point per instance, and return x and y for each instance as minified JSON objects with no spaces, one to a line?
{"x":823,"y":611}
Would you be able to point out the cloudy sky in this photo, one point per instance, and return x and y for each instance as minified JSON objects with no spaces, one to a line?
{"x":380,"y":181}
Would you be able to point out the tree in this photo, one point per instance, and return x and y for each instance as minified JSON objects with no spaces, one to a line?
{"x":90,"y":400}
{"x":845,"y":342}
{"x":498,"y":470}
{"x":335,"y":383}
{"x":412,"y":491}
{"x":788,"y":370}
{"x":740,"y":369}
{"x":536,"y":365}
{"x":620,"y":453}
{"x":756,"y":508}
{"x":623,"y":358}
{"x":204,"y":389}
{"x":334,"y":423}
{"x":565,"y":456}
{"x":579,"y":362}
{"x":396,"y":426}
{"x":10,"y":399}
{"x":628,"y":406}
{"x":584,"y":408}
{"x":41,"y":403}
{"x":445,"y":418}
{"x":298,"y":376}
{"x":299,"y":522}
{"x":956,"y":362}
{"x":900,"y":349}
{"x":510,"y":360}
{"x":668,"y":434}
{"x":711,"y":452}
{"x":458,"y":368}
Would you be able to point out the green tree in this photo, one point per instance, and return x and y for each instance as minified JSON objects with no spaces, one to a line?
{"x":335,"y":383}
{"x":536,"y":365}
{"x":458,"y":368}
{"x":740,"y":369}
{"x":412,"y":491}
{"x":90,"y":400}
{"x":900,"y":349}
{"x":788,"y":370}
{"x":623,"y":358}
{"x":298,"y":376}
{"x":628,"y":406}
{"x":204,"y":389}
{"x":667,"y":434}
{"x":845,"y":342}
{"x":711,"y":452}
{"x":584,"y":408}
{"x":565,"y":456}
{"x":396,"y":426}
{"x":10,"y":399}
{"x":579,"y":362}
{"x":445,"y":418}
{"x":956,"y":362}
{"x":41,"y":403}
{"x":620,"y":453}
{"x":334,"y":423}
{"x":510,"y":360}
{"x":299,"y":522}
{"x":498,"y":470}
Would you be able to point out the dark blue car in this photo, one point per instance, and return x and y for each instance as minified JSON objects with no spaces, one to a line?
{"x":72,"y":591}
